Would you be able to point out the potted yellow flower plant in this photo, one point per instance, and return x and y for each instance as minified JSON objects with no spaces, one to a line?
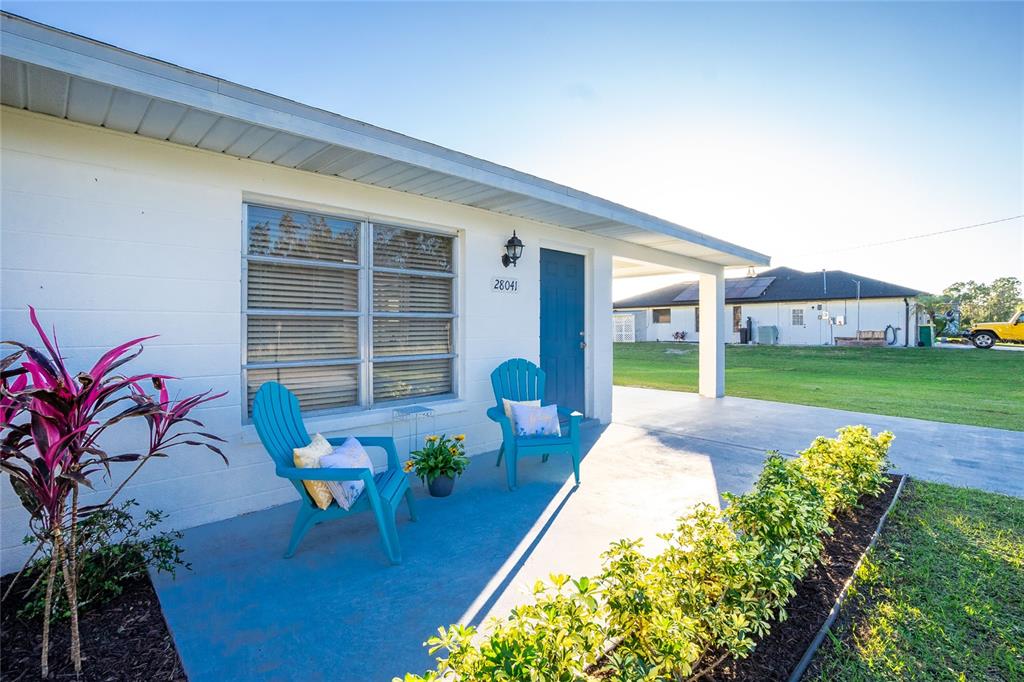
{"x":439,"y":462}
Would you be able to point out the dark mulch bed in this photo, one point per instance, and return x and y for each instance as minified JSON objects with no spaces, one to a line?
{"x":778,"y":654}
{"x":125,"y":639}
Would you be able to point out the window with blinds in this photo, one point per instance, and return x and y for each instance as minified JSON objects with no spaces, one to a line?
{"x":346,"y":313}
{"x":412,"y":313}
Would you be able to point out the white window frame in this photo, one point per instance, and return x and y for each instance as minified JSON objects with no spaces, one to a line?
{"x":792,"y":317}
{"x":365,"y":313}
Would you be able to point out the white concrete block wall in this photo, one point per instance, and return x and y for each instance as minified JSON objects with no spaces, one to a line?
{"x":875,"y":315}
{"x":112,"y":236}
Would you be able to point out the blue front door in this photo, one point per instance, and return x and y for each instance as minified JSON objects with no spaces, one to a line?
{"x":561,"y":327}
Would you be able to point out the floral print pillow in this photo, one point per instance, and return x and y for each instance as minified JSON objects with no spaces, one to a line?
{"x":348,"y":455}
{"x":533,"y":421}
{"x":508,"y":409}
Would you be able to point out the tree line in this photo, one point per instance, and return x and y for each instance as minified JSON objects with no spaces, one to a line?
{"x":977,"y":302}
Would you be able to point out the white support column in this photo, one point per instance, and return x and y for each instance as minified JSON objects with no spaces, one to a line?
{"x":711,"y":374}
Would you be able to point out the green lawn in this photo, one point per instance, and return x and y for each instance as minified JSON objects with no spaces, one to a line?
{"x":942,"y":596}
{"x":961,"y":386}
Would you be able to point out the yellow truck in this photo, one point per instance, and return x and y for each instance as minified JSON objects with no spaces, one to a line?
{"x":987,"y":334}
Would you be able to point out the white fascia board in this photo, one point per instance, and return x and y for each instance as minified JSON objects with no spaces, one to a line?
{"x":47,"y":47}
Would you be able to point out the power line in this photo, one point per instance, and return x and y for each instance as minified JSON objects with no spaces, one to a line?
{"x":912,"y":237}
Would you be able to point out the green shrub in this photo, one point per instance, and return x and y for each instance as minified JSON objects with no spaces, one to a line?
{"x":559,"y":634}
{"x":113,"y":552}
{"x":847,"y":467}
{"x":723,"y":578}
{"x":786,"y":514}
{"x":697,"y":596}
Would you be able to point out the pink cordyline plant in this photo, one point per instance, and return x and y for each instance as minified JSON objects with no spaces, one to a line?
{"x":50,"y":423}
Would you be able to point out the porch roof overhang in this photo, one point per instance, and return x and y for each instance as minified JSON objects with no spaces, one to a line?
{"x":49,"y":71}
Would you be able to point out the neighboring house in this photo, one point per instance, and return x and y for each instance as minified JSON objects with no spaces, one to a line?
{"x":783,"y":306}
{"x":263,"y":239}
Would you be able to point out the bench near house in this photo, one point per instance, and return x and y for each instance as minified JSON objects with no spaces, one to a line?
{"x":263,"y":239}
{"x":783,"y":306}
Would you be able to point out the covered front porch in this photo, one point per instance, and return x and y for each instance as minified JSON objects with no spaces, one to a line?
{"x":338,"y":611}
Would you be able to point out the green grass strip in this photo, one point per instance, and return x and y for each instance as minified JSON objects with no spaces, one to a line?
{"x":983,"y":388}
{"x":942,"y":596}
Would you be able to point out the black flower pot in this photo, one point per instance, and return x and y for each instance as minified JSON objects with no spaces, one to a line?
{"x":441,"y":486}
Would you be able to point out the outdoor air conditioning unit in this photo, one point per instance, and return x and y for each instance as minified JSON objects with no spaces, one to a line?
{"x":767,"y":334}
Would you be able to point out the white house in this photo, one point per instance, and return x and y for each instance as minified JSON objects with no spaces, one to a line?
{"x":264,"y":239}
{"x":783,"y":306}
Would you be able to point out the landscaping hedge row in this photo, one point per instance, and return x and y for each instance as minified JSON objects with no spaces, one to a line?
{"x":722,"y":580}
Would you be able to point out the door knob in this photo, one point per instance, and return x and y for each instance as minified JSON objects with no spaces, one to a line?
{"x":583,"y":345}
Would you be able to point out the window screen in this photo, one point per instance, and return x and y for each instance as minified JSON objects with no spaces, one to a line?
{"x":662,"y":315}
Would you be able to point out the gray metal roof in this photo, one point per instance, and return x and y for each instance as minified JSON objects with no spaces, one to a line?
{"x":783,"y":284}
{"x":53,"y":72}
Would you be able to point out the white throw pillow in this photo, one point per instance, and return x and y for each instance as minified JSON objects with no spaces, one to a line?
{"x":536,"y":421}
{"x":348,"y":455}
{"x":507,"y":404}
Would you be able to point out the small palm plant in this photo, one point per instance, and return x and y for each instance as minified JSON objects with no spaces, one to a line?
{"x":439,"y":462}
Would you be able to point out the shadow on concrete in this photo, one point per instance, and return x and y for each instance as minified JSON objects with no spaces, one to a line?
{"x":734,"y":467}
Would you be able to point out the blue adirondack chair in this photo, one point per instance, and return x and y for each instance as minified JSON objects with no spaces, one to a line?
{"x":520,"y":379}
{"x":279,"y":424}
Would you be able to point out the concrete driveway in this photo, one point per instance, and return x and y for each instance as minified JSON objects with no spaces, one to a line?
{"x":974,"y":456}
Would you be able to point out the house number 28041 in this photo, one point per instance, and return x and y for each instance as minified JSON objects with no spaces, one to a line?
{"x":505,"y":284}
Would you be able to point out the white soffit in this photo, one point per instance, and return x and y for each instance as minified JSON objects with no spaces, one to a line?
{"x":53,"y":72}
{"x":623,"y":268}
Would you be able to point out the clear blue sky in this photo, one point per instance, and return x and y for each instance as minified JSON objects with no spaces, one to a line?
{"x":793,"y":129}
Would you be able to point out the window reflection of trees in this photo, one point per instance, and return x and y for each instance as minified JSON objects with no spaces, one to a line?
{"x":398,"y":248}
{"x":305,"y":236}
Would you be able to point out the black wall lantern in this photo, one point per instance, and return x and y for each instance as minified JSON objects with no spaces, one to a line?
{"x":513,"y":250}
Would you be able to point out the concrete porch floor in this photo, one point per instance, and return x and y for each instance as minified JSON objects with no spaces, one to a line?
{"x":337,"y":611}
